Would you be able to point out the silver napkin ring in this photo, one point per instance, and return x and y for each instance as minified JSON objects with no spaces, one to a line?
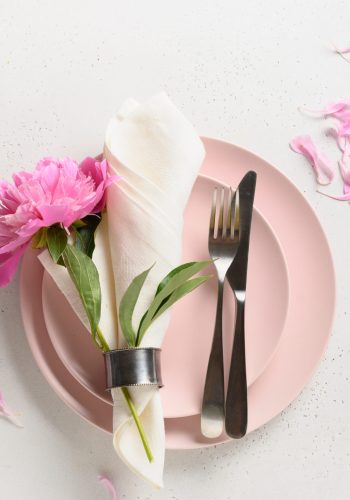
{"x":134,"y":366}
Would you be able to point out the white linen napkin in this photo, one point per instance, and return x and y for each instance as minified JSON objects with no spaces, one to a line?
{"x":158,"y":154}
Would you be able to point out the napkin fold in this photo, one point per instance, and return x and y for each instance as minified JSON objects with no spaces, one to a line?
{"x":157,"y":153}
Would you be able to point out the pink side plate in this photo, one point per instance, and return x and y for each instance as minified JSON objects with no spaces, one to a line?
{"x":188,"y":339}
{"x":310,"y":314}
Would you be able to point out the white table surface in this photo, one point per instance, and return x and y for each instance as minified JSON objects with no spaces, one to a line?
{"x":239,"y":71}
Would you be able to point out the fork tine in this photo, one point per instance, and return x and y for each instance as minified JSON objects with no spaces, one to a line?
{"x":213,"y":214}
{"x":221,"y":214}
{"x":235,"y":216}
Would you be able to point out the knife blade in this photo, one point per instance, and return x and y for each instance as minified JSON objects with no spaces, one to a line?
{"x":236,"y":418}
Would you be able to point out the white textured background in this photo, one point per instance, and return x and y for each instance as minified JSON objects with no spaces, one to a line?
{"x":239,"y":71}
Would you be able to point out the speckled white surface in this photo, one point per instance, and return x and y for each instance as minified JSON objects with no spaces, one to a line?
{"x":239,"y":71}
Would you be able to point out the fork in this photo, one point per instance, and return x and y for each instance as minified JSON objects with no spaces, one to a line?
{"x":223,"y":244}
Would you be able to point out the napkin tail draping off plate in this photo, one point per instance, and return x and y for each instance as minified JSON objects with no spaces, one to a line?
{"x":157,"y":153}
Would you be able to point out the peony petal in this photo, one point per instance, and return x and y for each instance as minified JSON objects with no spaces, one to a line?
{"x":21,"y":177}
{"x":6,"y":412}
{"x":98,"y":171}
{"x":320,"y":163}
{"x":345,"y":50}
{"x":9,"y":264}
{"x":345,"y":173}
{"x":90,"y":167}
{"x":342,"y":52}
{"x":340,"y":134}
{"x":343,"y":197}
{"x":52,"y":214}
{"x":346,"y":150}
{"x":107,"y":483}
{"x":340,"y":140}
{"x":344,"y":128}
{"x":337,"y":109}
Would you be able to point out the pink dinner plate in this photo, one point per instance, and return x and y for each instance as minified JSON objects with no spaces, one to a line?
{"x":188,"y":340}
{"x":311,"y":305}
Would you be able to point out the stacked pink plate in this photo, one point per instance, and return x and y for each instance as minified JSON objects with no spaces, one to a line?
{"x":290,"y":308}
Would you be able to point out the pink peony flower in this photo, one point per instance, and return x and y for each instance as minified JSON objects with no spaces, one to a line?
{"x":59,"y":191}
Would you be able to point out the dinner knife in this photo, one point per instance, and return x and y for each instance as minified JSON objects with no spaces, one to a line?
{"x":236,"y":417}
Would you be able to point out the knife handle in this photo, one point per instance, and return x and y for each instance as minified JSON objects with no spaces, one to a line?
{"x":236,"y":400}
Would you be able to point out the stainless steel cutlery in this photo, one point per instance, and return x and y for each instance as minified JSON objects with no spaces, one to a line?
{"x":236,"y":399}
{"x":228,"y":242}
{"x":223,"y":243}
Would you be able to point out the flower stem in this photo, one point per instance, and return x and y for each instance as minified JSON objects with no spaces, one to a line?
{"x":101,"y":342}
{"x":138,"y":423}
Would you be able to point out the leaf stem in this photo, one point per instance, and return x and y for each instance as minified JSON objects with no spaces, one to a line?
{"x":138,"y":423}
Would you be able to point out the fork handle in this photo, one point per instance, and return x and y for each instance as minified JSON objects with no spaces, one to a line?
{"x":213,"y":405}
{"x":236,"y":400}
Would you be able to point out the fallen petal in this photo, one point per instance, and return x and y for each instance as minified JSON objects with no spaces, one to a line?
{"x":345,"y":50}
{"x":6,"y":412}
{"x":107,"y":483}
{"x":346,"y":151}
{"x":340,"y":140}
{"x":329,"y":110}
{"x":345,"y":173}
{"x":337,"y":109}
{"x":323,"y":170}
{"x":343,"y":197}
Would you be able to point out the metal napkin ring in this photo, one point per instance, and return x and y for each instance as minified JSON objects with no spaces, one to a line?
{"x":134,"y":366}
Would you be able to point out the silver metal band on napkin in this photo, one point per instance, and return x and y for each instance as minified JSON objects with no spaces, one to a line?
{"x":134,"y":366}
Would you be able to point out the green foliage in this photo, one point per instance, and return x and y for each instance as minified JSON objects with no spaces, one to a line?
{"x":85,"y":276}
{"x":56,"y":239}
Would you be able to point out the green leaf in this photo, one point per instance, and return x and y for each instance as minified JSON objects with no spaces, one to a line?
{"x":39,"y":239}
{"x":178,"y":277}
{"x":127,"y":306}
{"x":171,"y":274}
{"x":61,"y":261}
{"x":85,"y":276}
{"x":85,"y":234}
{"x":164,"y":281}
{"x":79,"y":223}
{"x":56,"y":239}
{"x":180,"y":292}
{"x":162,"y":284}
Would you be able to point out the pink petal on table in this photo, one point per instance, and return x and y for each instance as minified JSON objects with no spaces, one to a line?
{"x":337,"y":109}
{"x":107,"y":483}
{"x":344,"y":128}
{"x":346,"y":151}
{"x":320,"y":163}
{"x":344,"y":50}
{"x":345,"y":173}
{"x":340,"y":140}
{"x":342,"y":197}
{"x":6,"y":412}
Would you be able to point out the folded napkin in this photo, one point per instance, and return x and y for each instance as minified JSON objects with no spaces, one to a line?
{"x":158,"y":154}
